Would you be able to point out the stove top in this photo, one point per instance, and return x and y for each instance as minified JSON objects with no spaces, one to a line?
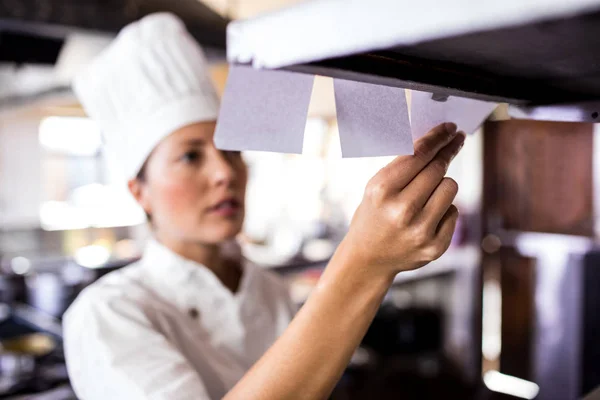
{"x":28,"y":377}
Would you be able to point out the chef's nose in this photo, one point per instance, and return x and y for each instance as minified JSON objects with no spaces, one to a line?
{"x":222,"y":170}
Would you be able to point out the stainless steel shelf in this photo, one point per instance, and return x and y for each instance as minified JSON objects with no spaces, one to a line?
{"x":521,"y":52}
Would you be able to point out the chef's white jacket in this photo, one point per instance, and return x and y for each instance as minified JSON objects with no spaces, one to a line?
{"x":166,"y":328}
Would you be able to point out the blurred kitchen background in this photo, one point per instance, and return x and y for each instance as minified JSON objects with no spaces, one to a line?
{"x":507,"y":312}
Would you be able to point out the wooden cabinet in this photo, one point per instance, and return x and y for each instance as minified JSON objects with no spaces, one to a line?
{"x":538,"y":208}
{"x":538,"y":177}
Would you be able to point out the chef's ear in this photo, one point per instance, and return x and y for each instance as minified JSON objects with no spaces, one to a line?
{"x":139,"y":190}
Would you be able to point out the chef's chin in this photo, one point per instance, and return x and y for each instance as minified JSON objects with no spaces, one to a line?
{"x":222,"y":231}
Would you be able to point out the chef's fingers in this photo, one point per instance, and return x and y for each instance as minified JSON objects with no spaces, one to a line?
{"x":443,"y":236}
{"x":445,"y":230}
{"x":401,"y":171}
{"x":438,"y":204}
{"x":420,"y":189}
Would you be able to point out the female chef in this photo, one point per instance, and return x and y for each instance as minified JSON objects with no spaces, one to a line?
{"x":191,"y":321}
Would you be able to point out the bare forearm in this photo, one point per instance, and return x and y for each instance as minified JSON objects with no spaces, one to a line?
{"x":309,"y":358}
{"x":405,"y":220}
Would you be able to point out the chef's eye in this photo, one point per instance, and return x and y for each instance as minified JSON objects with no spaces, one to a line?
{"x":191,"y":156}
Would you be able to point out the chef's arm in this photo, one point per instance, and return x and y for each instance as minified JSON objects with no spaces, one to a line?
{"x":406,"y":219}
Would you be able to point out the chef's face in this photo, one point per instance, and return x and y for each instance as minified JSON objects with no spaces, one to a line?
{"x":193,"y":191}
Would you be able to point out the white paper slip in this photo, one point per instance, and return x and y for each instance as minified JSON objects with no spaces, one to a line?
{"x":372,"y":119}
{"x":263,"y":110}
{"x":427,"y":111}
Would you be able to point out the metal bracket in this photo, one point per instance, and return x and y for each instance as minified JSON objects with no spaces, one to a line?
{"x":577,"y":112}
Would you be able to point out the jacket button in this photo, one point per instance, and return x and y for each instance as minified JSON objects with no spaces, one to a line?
{"x":193,"y":313}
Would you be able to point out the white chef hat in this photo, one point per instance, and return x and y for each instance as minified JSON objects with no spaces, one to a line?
{"x":150,"y":81}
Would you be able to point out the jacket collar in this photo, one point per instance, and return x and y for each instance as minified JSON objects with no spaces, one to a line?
{"x":189,"y":284}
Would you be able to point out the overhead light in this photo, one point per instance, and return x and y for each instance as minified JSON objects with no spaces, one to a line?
{"x":20,"y":265}
{"x":510,"y":385}
{"x":93,"y":256}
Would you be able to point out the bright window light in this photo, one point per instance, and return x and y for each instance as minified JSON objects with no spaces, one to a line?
{"x":511,"y":385}
{"x":59,"y":215}
{"x":492,"y":320}
{"x":314,"y":137}
{"x":92,"y":206}
{"x":70,"y":135}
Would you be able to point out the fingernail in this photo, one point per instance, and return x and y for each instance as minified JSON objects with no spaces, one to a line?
{"x":461,"y":142}
{"x":450,"y":128}
{"x":462,"y":139}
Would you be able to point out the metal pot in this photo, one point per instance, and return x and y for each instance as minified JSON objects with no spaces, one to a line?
{"x":47,"y":292}
{"x":12,"y":288}
{"x":18,"y":355}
